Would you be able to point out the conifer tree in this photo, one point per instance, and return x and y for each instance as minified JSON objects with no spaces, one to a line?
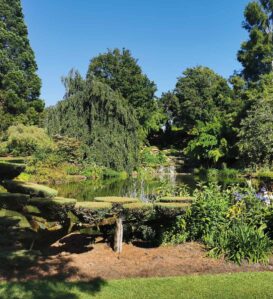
{"x":19,"y":83}
{"x":256,"y":54}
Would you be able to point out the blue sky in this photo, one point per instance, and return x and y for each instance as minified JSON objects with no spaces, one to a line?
{"x":167,"y":36}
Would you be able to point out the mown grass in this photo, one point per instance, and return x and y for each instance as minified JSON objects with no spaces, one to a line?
{"x":225,"y":286}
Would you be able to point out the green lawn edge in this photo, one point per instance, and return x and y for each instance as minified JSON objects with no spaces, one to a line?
{"x":222,"y":286}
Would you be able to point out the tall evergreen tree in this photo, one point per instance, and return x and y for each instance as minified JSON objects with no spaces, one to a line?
{"x":202,"y":95}
{"x":119,"y":70}
{"x":19,"y":83}
{"x":256,"y":54}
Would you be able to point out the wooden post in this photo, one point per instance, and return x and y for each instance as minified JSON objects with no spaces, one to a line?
{"x":118,"y":236}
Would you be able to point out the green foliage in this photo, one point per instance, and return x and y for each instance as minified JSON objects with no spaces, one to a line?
{"x":110,"y":173}
{"x":119,"y":70}
{"x":208,"y":212}
{"x":91,"y":170}
{"x":202,"y":95}
{"x":177,"y":233}
{"x":31,"y":189}
{"x":10,"y":170}
{"x":151,"y":158}
{"x":19,"y":83}
{"x":256,"y":137}
{"x":168,"y":189}
{"x":70,"y":149}
{"x":231,"y":222}
{"x":206,"y":109}
{"x":208,"y":144}
{"x":138,"y":212}
{"x":241,"y":242}
{"x":23,"y":140}
{"x":117,"y":199}
{"x":145,"y":233}
{"x":102,"y":121}
{"x":256,"y":54}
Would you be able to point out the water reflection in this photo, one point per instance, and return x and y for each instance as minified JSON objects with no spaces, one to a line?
{"x":142,"y":188}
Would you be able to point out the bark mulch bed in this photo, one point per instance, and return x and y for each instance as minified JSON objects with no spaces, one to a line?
{"x":74,"y":258}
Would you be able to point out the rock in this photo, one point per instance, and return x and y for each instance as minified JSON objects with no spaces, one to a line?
{"x":34,"y":190}
{"x":9,"y":171}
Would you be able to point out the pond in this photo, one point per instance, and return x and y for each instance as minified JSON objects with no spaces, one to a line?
{"x":142,"y":188}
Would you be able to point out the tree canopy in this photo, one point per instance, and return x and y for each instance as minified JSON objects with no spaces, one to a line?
{"x":19,"y":83}
{"x":202,"y":94}
{"x":101,"y":119}
{"x":119,"y":70}
{"x":256,"y":54}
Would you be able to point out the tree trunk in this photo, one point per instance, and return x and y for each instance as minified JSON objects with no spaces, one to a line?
{"x":118,"y":236}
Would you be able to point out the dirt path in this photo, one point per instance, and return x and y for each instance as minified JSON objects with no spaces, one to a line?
{"x":73,"y":258}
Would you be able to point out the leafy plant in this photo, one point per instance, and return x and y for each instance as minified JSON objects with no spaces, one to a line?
{"x":241,"y":242}
{"x":177,"y":233}
{"x":23,"y":140}
{"x":208,"y":211}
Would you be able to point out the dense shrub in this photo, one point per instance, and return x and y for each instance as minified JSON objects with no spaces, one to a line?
{"x":208,"y":211}
{"x":235,"y":223}
{"x":70,"y":149}
{"x":23,"y":140}
{"x":176,"y":234}
{"x":151,"y":157}
{"x":240,"y":242}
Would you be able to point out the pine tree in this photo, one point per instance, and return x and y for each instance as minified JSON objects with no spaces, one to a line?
{"x":19,"y":83}
{"x":256,"y":54}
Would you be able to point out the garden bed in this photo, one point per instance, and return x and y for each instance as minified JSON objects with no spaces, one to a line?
{"x":73,"y":258}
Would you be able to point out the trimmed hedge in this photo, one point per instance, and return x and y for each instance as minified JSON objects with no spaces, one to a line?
{"x":177,"y":199}
{"x":93,"y":205}
{"x":54,"y":209}
{"x":138,"y":211}
{"x":9,"y":171}
{"x":10,"y":217}
{"x":92,"y":212}
{"x":13,"y":201}
{"x":117,"y":200}
{"x":34,"y":190}
{"x":170,"y":210}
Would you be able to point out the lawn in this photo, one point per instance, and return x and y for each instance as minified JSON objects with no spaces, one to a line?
{"x":239,"y":285}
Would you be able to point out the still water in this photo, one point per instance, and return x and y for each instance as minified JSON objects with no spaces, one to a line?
{"x":135,"y":187}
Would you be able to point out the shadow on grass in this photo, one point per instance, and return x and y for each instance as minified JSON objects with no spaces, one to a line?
{"x":51,"y":289}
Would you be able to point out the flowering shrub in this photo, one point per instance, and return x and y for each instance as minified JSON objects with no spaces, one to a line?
{"x":236,"y":223}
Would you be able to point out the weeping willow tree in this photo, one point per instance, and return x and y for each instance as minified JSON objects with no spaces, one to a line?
{"x":100,"y":118}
